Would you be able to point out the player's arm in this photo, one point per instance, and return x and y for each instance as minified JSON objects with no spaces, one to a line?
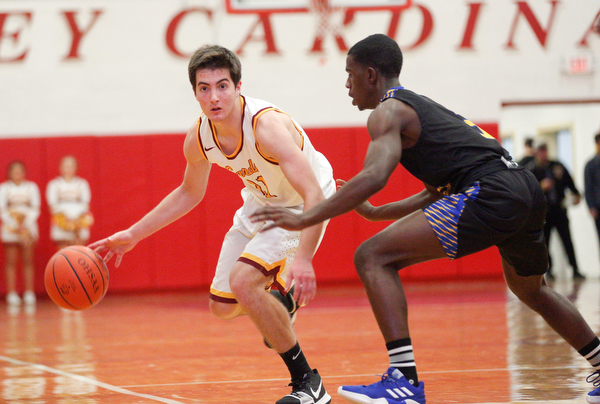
{"x":596,"y":26}
{"x":383,"y":155}
{"x":274,"y":134}
{"x":175,"y":205}
{"x":399,"y":209}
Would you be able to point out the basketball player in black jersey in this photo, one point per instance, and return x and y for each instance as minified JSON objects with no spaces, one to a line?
{"x":475,"y":197}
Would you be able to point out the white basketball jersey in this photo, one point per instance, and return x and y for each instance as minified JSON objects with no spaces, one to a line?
{"x":261,"y":175}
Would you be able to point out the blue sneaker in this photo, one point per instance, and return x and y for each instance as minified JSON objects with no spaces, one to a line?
{"x":392,"y":389}
{"x":593,"y":397}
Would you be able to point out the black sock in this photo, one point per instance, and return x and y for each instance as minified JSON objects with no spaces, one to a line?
{"x":591,"y":352}
{"x":402,"y":358}
{"x":296,"y":362}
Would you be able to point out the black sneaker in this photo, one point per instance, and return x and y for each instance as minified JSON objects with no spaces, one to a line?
{"x":309,"y":390}
{"x":289,"y":303}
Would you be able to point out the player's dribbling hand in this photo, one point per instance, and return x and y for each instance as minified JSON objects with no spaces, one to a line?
{"x":117,"y":244}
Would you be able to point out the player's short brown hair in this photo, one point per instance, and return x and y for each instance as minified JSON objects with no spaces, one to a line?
{"x":215,"y":57}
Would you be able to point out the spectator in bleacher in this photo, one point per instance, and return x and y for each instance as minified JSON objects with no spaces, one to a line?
{"x":69,"y":198}
{"x":19,"y":210}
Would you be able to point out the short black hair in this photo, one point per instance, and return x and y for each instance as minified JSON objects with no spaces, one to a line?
{"x":379,"y":52}
{"x":529,"y":142}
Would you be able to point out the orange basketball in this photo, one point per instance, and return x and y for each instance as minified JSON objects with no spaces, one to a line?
{"x":76,"y":278}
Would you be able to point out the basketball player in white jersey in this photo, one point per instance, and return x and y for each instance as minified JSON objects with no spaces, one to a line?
{"x":278,"y":165}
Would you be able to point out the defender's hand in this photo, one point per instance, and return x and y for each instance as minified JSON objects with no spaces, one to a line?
{"x":281,"y":217}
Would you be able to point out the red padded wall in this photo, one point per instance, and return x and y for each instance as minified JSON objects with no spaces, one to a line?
{"x":129,"y":175}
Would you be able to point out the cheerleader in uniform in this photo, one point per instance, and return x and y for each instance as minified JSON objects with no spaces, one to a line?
{"x":19,"y":211}
{"x":69,"y":198}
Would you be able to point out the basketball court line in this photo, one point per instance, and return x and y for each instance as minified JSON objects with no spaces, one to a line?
{"x":88,"y":380}
{"x":374,"y":376}
{"x":123,"y":390}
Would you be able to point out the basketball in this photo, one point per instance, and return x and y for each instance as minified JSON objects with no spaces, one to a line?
{"x":76,"y":278}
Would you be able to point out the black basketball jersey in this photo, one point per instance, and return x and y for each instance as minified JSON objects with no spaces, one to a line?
{"x":451,"y":151}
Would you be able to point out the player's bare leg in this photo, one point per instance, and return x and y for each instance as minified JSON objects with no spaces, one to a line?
{"x":562,"y":316}
{"x":225,"y":311}
{"x":558,"y":312}
{"x":406,"y":242}
{"x":272,"y":319}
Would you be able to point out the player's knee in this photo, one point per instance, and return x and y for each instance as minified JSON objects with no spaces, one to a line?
{"x":245,"y":281}
{"x":364,"y":258}
{"x":237,"y":282}
{"x":224,"y":311}
{"x":531,"y":296}
{"x":243,"y":284}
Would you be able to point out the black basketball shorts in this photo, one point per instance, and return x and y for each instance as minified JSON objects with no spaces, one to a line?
{"x":506,"y":208}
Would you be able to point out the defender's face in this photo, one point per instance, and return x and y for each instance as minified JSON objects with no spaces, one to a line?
{"x":216,"y":93}
{"x":358,"y":85}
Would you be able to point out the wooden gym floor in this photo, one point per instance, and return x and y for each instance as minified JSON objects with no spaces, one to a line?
{"x":473,"y":341}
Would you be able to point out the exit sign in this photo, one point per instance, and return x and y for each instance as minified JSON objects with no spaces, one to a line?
{"x":580,"y":63}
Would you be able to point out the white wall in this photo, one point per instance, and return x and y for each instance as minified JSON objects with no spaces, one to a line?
{"x":127,"y":81}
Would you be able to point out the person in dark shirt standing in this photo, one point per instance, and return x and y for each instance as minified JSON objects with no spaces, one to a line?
{"x":528,"y":156}
{"x":555,"y":180}
{"x":591,"y":177}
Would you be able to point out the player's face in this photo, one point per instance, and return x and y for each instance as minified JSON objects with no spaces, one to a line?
{"x":216,"y":93}
{"x":359,"y":88}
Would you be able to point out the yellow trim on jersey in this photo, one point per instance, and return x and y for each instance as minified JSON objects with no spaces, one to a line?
{"x":224,"y":295}
{"x":269,"y":269}
{"x":255,"y":121}
{"x":240,"y":143}
{"x":198,"y":140}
